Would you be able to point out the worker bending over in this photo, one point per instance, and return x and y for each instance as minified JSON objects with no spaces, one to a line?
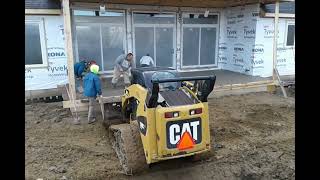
{"x":122,"y":66}
{"x":146,"y":61}
{"x":79,"y":69}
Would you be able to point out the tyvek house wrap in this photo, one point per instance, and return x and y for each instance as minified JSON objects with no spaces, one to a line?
{"x":237,"y":37}
{"x":246,"y":43}
{"x":56,"y":72}
{"x":264,"y":41}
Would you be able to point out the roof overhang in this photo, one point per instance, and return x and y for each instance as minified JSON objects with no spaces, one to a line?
{"x":181,"y":3}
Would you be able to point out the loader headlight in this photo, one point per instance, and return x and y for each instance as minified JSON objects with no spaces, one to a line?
{"x":195,"y":111}
{"x":192,"y":112}
{"x":171,"y":114}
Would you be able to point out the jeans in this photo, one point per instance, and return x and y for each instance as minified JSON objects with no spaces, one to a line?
{"x":78,"y":82}
{"x":117,"y":74}
{"x":92,"y":112}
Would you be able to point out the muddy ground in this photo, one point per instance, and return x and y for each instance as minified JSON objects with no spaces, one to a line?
{"x":253,"y":138}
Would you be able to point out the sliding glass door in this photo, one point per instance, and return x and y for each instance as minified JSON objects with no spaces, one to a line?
{"x":199,"y":40}
{"x":154,"y":34}
{"x":99,"y":37}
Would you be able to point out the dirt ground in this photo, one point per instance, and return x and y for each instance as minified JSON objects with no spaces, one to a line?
{"x":253,"y":138}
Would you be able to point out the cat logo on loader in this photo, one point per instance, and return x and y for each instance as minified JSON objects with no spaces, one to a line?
{"x":176,"y":130}
{"x":164,"y":116}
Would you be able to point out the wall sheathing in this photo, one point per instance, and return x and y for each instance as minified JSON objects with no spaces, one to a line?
{"x":246,"y":43}
{"x":56,"y":72}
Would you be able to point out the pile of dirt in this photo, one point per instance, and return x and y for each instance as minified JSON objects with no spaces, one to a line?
{"x":252,"y":138}
{"x":43,"y":112}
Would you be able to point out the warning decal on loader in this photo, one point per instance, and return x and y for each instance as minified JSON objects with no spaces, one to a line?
{"x":175,"y":130}
{"x":186,"y":141}
{"x":142,"y":122}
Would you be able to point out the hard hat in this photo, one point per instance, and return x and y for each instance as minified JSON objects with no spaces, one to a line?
{"x":94,"y":68}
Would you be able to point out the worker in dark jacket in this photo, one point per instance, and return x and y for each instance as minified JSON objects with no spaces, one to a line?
{"x":79,"y":68}
{"x":92,"y":88}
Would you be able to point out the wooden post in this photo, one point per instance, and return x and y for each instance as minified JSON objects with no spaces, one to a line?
{"x":69,"y":49}
{"x":275,"y":73}
{"x":275,"y":40}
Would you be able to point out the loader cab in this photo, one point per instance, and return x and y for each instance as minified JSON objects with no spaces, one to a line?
{"x":163,"y":94}
{"x":143,"y":76}
{"x":168,"y":93}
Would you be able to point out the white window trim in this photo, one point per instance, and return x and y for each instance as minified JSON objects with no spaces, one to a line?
{"x":264,"y":14}
{"x":281,"y":15}
{"x":40,"y":22}
{"x":286,"y":34}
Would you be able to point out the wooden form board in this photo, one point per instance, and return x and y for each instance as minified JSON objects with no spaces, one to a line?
{"x":114,"y":99}
{"x":42,"y":11}
{"x":78,"y":103}
{"x":83,"y":103}
{"x":246,"y":85}
{"x":110,"y":99}
{"x":82,"y":106}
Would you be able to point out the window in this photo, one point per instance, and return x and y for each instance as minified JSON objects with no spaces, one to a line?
{"x":286,"y":9}
{"x":200,"y":42}
{"x":290,"y":36}
{"x":35,"y":47}
{"x":99,"y":36}
{"x":160,"y":75}
{"x":154,"y":34}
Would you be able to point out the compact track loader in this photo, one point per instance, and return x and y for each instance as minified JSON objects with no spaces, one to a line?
{"x":164,"y":116}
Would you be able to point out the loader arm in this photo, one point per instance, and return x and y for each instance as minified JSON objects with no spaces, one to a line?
{"x":136,"y":93}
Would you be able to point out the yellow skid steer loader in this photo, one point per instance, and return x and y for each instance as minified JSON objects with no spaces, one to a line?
{"x":164,"y":117}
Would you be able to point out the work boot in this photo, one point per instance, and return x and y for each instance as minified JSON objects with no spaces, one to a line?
{"x":92,"y":121}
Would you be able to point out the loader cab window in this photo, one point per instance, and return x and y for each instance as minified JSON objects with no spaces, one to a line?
{"x":165,"y":75}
